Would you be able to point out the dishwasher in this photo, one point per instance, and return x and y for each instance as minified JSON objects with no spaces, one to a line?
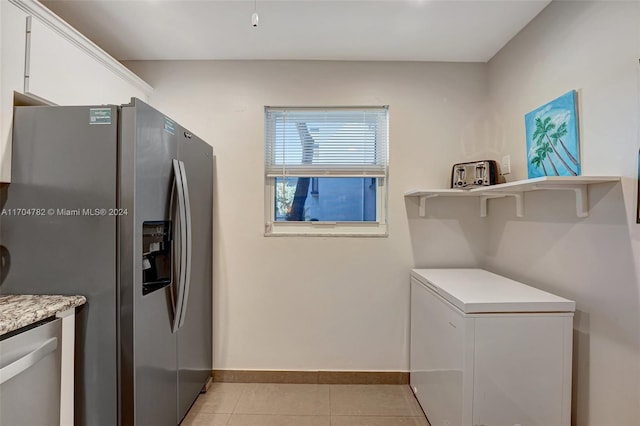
{"x":30,"y":375}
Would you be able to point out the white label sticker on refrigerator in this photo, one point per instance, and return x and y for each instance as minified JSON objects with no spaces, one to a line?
{"x":99,"y":115}
{"x":168,"y":126}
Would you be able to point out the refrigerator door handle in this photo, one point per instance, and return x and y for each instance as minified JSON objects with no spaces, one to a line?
{"x":174,"y":249}
{"x":183,"y":244}
{"x":187,"y":246}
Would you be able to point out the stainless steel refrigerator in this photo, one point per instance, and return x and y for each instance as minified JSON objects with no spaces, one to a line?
{"x":115,"y":203}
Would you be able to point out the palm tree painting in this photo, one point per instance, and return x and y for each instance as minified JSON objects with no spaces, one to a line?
{"x":552,"y":138}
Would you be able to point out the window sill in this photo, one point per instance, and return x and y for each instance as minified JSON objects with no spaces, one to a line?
{"x":326,"y":229}
{"x":306,"y":234}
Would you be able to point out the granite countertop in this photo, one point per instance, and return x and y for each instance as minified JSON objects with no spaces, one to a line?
{"x":18,"y":311}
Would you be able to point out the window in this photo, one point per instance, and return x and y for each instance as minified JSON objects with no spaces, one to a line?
{"x":326,"y":170}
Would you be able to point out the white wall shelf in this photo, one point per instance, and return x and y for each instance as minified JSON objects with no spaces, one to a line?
{"x":516,"y":189}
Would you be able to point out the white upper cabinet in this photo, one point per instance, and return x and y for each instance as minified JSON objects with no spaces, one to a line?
{"x":66,"y":69}
{"x":57,"y":64}
{"x":12,"y":51}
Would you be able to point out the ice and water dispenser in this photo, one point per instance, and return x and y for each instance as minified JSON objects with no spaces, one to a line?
{"x":156,"y":255}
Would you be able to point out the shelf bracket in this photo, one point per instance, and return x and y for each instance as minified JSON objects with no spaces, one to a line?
{"x":423,"y":204}
{"x":516,"y":195}
{"x":582,"y":198}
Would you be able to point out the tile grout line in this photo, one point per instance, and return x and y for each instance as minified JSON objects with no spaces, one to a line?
{"x":233,"y":410}
{"x":405,"y":390}
{"x":330,"y":421}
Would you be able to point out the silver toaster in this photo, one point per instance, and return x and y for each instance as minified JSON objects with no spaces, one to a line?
{"x":475,"y":173}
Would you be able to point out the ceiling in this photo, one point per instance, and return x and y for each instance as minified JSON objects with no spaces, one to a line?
{"x":398,"y":30}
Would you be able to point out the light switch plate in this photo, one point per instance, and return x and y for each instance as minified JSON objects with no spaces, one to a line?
{"x":505,"y":168}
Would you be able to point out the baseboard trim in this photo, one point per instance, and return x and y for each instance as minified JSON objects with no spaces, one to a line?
{"x":313,"y":377}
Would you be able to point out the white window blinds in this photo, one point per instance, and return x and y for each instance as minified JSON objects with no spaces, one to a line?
{"x":326,"y":141}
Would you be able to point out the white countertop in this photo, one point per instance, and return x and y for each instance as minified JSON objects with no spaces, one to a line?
{"x":480,"y":291}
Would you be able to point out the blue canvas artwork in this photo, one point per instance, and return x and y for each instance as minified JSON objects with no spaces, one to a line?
{"x":552,"y":138}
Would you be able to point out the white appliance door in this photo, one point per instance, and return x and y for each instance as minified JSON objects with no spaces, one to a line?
{"x":30,"y":377}
{"x":437,"y":356}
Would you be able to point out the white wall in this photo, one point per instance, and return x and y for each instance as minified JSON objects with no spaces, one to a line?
{"x":341,"y":303}
{"x":593,"y":48}
{"x":321,"y":303}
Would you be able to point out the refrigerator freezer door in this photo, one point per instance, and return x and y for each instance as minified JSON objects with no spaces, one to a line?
{"x":148,"y":379}
{"x":194,"y":336}
{"x":64,"y":162}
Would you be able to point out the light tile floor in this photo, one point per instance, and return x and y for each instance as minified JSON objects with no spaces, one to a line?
{"x":253,"y":404}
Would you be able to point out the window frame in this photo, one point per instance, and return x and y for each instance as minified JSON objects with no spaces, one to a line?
{"x":377,"y":228}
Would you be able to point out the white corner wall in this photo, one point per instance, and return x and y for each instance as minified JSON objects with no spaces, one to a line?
{"x":322,"y":303}
{"x":342,"y":303}
{"x":592,"y":47}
